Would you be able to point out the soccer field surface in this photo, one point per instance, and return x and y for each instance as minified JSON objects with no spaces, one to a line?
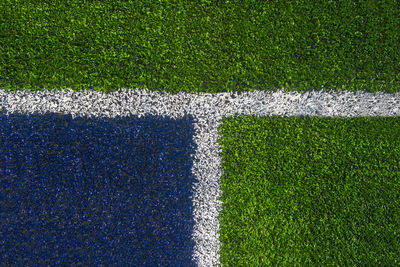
{"x":179,"y":133}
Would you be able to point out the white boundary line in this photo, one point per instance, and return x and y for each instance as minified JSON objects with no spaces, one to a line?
{"x":208,"y":110}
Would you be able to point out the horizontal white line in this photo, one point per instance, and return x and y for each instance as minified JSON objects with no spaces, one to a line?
{"x":262,"y":103}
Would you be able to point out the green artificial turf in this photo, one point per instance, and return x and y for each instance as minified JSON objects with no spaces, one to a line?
{"x":203,"y":46}
{"x":320,"y":191}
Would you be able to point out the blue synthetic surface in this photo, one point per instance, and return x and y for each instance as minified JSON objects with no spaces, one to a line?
{"x":96,"y":191}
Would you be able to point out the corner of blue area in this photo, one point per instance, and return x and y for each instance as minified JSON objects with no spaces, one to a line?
{"x":95,"y":190}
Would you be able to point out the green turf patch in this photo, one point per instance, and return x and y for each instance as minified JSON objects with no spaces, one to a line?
{"x":310,"y":190}
{"x":202,"y":46}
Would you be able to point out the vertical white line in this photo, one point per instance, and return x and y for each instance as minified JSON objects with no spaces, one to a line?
{"x":206,"y":168}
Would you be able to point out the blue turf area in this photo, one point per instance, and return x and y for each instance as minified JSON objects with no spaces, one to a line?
{"x":96,"y":190}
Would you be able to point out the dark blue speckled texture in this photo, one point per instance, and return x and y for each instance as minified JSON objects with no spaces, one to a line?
{"x":96,"y":191}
